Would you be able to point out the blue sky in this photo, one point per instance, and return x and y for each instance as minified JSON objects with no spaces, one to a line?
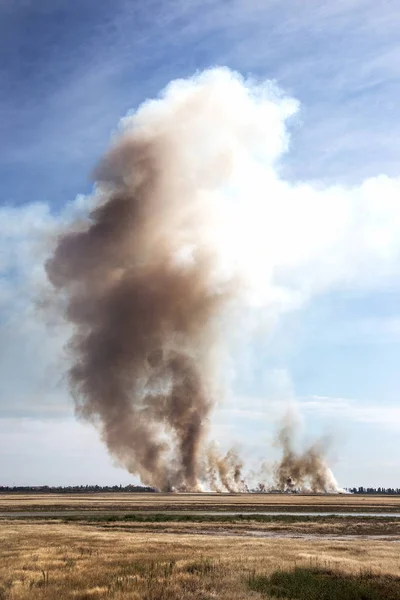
{"x":69,"y":71}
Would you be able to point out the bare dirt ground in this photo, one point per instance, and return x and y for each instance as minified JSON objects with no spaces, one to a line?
{"x":199,"y":502}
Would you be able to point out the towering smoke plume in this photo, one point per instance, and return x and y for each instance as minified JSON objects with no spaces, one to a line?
{"x":144,"y":294}
{"x":307,"y":470}
{"x":146,"y":281}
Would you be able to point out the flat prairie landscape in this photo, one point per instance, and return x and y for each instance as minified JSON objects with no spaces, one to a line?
{"x":200,"y":502}
{"x":203,"y":547}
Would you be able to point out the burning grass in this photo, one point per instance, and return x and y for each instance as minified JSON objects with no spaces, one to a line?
{"x":59,"y":561}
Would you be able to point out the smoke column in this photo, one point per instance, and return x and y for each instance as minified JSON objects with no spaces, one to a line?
{"x":173,"y":245}
{"x":142,"y":289}
{"x":224,"y":473}
{"x":307,"y":470}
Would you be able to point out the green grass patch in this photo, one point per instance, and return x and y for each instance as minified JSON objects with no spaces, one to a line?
{"x":181,"y":517}
{"x":325,"y":584}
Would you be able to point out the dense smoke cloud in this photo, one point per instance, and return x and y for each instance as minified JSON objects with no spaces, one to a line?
{"x":302,"y":470}
{"x":175,"y":242}
{"x":224,"y":473}
{"x":144,"y":290}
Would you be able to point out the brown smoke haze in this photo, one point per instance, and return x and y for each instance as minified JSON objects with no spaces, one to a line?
{"x":306,"y":470}
{"x":140,"y":290}
{"x":147,"y":291}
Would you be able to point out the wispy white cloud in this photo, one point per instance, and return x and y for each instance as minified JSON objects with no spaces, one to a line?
{"x":31,"y":348}
{"x":339,"y":58}
{"x":357,"y":330}
{"x":353,"y":411}
{"x":328,"y":410}
{"x":55,"y":452}
{"x":297,"y":241}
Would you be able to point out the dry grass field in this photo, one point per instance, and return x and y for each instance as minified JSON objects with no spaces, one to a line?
{"x":56,"y":561}
{"x":194,"y":502}
{"x":138,"y":552}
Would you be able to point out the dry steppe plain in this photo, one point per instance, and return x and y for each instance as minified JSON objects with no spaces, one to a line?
{"x":199,"y":502}
{"x":170,"y":546}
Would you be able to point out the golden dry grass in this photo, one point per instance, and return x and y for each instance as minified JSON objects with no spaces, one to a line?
{"x":169,"y":502}
{"x":56,"y":561}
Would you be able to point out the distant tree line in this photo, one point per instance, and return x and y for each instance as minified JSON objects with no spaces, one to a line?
{"x":370,"y":490}
{"x":75,"y":489}
{"x":137,"y":489}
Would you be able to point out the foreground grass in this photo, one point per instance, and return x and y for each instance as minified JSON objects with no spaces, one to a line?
{"x":324,"y":584}
{"x":60,"y":561}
